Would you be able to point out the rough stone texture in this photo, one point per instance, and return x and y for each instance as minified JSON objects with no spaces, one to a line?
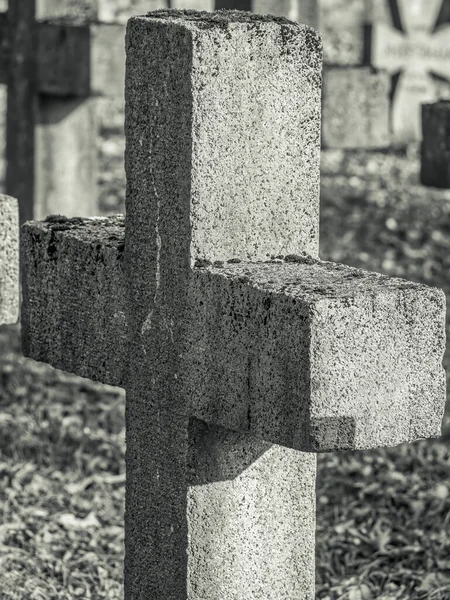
{"x":238,"y":153}
{"x":65,"y":157}
{"x":355,"y":108}
{"x":435,"y":167}
{"x":308,"y":354}
{"x":9,"y":260}
{"x":72,"y":286}
{"x":314,"y":355}
{"x":251,"y":516}
{"x":214,"y":170}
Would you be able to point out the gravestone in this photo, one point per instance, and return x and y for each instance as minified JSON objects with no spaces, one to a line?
{"x":435,"y":165}
{"x":54,"y":69}
{"x":416,"y":52}
{"x":355,"y":108}
{"x":242,"y":354}
{"x":87,"y":9}
{"x":9,"y":260}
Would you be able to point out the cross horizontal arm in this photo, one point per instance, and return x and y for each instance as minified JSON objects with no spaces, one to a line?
{"x":9,"y":260}
{"x":316,"y":355}
{"x":73,"y":308}
{"x":74,"y":58}
{"x":299,"y":352}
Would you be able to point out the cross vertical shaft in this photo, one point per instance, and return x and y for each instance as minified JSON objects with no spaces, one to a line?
{"x":222,"y":162}
{"x":21,"y":103}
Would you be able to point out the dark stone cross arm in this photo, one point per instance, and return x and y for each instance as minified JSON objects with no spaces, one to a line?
{"x":309,"y":354}
{"x":234,"y":363}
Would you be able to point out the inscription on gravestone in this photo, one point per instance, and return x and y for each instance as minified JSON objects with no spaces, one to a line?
{"x":416,"y":52}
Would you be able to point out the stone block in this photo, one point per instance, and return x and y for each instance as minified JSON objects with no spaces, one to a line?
{"x":314,"y":355}
{"x":9,"y":260}
{"x":355,"y":108}
{"x":65,"y":157}
{"x":435,"y":166}
{"x":72,"y":285}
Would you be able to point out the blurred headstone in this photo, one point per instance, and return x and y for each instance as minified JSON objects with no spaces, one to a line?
{"x":355,"y":108}
{"x":435,"y":168}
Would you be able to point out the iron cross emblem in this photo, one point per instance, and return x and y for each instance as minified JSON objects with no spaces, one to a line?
{"x":416,"y":52}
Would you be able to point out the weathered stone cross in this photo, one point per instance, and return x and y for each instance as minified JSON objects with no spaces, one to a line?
{"x":415,"y":50}
{"x":242,"y":353}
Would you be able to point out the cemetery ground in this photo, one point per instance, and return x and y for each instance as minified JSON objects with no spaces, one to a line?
{"x":384,"y":515}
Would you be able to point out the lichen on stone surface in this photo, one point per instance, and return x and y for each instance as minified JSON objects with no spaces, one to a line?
{"x":221,"y":17}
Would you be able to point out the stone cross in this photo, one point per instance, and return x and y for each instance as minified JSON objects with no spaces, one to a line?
{"x":242,"y":354}
{"x":9,"y":260}
{"x":415,"y":49}
{"x":53,"y":70}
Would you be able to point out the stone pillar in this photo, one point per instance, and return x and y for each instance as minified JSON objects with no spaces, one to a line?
{"x":435,"y":169}
{"x":222,"y":162}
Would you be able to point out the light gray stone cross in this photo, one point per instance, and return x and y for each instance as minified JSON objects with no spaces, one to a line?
{"x":242,"y":354}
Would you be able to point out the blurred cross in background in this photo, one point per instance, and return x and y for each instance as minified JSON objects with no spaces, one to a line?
{"x":414,"y":51}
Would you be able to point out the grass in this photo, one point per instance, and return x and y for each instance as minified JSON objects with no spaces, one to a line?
{"x":383,"y":515}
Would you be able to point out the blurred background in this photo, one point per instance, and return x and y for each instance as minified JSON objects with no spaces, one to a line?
{"x":383,"y":523}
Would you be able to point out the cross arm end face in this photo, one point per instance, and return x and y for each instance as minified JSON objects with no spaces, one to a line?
{"x":9,"y":260}
{"x":73,"y":313}
{"x":316,"y":356}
